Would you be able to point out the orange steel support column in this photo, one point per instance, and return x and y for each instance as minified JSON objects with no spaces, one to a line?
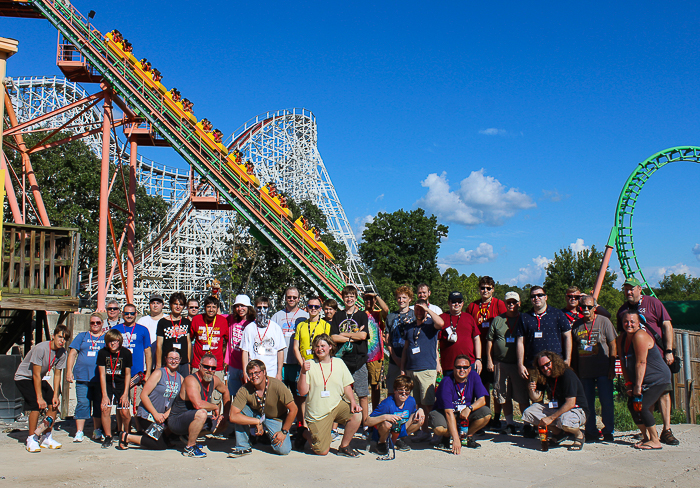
{"x":10,"y":192}
{"x":104,"y":204}
{"x":27,"y":165}
{"x":603,"y":269}
{"x":131,"y":228}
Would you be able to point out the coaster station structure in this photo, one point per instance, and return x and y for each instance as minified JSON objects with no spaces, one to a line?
{"x":282,"y":146}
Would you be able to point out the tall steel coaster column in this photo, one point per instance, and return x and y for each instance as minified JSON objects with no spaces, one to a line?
{"x":621,"y":238}
{"x":283,"y":147}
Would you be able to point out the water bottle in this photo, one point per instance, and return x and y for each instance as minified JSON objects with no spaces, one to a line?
{"x":637,"y":403}
{"x":463,"y":428}
{"x":43,"y":426}
{"x":543,"y":438}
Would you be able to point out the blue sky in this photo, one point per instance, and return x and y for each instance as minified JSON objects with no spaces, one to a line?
{"x":517,"y":123}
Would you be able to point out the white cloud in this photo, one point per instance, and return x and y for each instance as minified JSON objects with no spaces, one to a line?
{"x":361,"y":224}
{"x":578,"y":246}
{"x":553,"y":195}
{"x":696,"y":251}
{"x":532,"y":273}
{"x":654,"y":274}
{"x":479,"y":199}
{"x":482,"y":254}
{"x":379,"y":198}
{"x":492,"y":131}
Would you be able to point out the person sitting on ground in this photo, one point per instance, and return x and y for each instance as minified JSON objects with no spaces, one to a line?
{"x":32,"y":381}
{"x":266,"y":404}
{"x":647,"y":377}
{"x":114,"y":362}
{"x":398,"y":411}
{"x":190,"y":411}
{"x":460,"y":401}
{"x":565,"y":413}
{"x":82,"y":369}
{"x":327,"y":384}
{"x":156,"y":399}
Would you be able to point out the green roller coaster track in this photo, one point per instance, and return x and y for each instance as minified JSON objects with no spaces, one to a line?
{"x":621,"y":237}
{"x":183,"y":138}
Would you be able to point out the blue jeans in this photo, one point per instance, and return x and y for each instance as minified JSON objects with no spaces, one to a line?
{"x":85,"y":397}
{"x":271,"y":426}
{"x":607,"y":408}
{"x":234,"y":381}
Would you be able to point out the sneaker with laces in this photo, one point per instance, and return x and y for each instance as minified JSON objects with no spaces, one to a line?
{"x":668,"y":438}
{"x":401,"y":444}
{"x":98,"y":435}
{"x":471,"y":443}
{"x":382,"y":448}
{"x":47,"y":442}
{"x":107,"y":442}
{"x":194,"y":451}
{"x":32,"y":444}
{"x":79,"y":436}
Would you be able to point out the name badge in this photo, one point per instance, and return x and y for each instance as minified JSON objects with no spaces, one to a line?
{"x":325,"y":394}
{"x":262,"y":419}
{"x":510,"y":339}
{"x":92,"y":353}
{"x":415,"y":350}
{"x":308,"y":352}
{"x":538,"y":335}
{"x":205,"y":347}
{"x":554,"y":404}
{"x":459,"y":408}
{"x":131,"y":350}
{"x":177,"y":345}
{"x":486,"y":325}
{"x":47,"y":377}
{"x":268,"y":351}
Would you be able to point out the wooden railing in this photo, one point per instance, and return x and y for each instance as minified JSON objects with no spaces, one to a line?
{"x":38,"y":263}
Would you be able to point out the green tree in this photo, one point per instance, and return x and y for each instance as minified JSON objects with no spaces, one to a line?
{"x":69,"y":180}
{"x":402,"y":248}
{"x":678,"y":287}
{"x":580,"y":269}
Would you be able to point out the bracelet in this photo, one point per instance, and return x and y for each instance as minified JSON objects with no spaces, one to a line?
{"x":477,"y":359}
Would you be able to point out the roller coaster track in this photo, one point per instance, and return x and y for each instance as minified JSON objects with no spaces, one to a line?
{"x":185,"y":140}
{"x":621,"y":236}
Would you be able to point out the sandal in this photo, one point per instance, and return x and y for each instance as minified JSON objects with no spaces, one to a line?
{"x":348,"y":452}
{"x":556,"y":439}
{"x":578,"y":443}
{"x":123,"y":441}
{"x":238,"y":452}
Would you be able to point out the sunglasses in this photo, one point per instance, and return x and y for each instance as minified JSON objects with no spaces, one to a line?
{"x":255,"y":374}
{"x":313,"y":307}
{"x":585,"y":307}
{"x":462,"y":367}
{"x":128,"y":313}
{"x":193,"y":308}
{"x":573,"y":297}
{"x":537,"y":295}
{"x":95,"y":323}
{"x":261,"y":308}
{"x":112,"y":309}
{"x":292,"y":298}
{"x":546,"y":365}
{"x":402,"y":391}
{"x":486,"y":288}
{"x":208,"y":368}
{"x":457,"y":303}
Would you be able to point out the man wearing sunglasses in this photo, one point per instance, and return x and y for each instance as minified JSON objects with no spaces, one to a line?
{"x":460,"y":404}
{"x":595,"y":346}
{"x":459,"y":335}
{"x":113,"y":312}
{"x":194,"y":411}
{"x":192,"y":309}
{"x":288,"y":318}
{"x":484,"y":311}
{"x":137,"y":340}
{"x":150,"y":321}
{"x":571,"y":311}
{"x":565,"y":413}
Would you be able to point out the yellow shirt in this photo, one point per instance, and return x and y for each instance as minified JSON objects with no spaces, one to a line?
{"x":306,"y":331}
{"x":337,"y":377}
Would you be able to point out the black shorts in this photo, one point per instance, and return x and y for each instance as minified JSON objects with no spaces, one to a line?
{"x":114,"y":394}
{"x":26,"y":388}
{"x":180,"y":424}
{"x":487,"y":378}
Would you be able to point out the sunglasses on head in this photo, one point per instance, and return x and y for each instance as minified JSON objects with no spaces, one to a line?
{"x":128,"y":313}
{"x":208,"y":368}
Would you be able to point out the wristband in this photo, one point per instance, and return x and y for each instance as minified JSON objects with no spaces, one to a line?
{"x":668,"y":351}
{"x":477,"y":359}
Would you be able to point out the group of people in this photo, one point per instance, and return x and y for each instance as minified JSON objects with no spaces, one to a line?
{"x":258,"y":377}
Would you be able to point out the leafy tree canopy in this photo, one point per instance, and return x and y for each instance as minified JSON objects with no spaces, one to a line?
{"x":678,"y":287}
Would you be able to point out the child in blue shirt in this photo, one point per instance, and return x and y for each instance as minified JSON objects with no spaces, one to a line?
{"x":397,"y":412}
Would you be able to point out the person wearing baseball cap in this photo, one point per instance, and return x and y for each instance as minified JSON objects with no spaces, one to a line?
{"x":658,"y":320}
{"x":460,"y":335}
{"x":150,"y":321}
{"x":501,"y":359}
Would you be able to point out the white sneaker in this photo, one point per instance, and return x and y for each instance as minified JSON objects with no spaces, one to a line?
{"x":79,"y":436}
{"x":32,"y":444}
{"x":47,"y":442}
{"x":98,"y":435}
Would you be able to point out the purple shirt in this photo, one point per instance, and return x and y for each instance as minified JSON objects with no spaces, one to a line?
{"x":449,"y":394}
{"x":652,"y":309}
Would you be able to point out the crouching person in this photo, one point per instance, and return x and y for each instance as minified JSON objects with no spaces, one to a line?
{"x":262,"y":403}
{"x":327,"y":384}
{"x":397,"y":416}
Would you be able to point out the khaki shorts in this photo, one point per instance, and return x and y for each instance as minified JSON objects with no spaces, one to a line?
{"x":374,"y":372}
{"x":508,"y":384}
{"x":423,"y":386}
{"x":573,"y":419}
{"x":320,"y":430}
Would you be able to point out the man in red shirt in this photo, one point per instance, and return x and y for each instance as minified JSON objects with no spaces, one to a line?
{"x":483,"y":311}
{"x":459,"y":335}
{"x":210,"y":332}
{"x":573,"y":295}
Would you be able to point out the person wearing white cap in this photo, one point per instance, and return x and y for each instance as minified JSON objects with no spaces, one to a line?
{"x":243,"y":314}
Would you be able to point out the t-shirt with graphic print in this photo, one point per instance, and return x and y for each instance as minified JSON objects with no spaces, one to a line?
{"x":115,"y":364}
{"x":397,"y":323}
{"x":375,"y":345}
{"x":288,"y":321}
{"x":209,"y":338}
{"x":234,"y":353}
{"x":263,"y":344}
{"x":388,"y":407}
{"x":175,"y":336}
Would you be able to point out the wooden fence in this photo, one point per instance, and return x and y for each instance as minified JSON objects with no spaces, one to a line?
{"x":687,"y":394}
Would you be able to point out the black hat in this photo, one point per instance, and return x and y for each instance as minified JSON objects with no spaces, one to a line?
{"x":156,"y":298}
{"x":455,"y":297}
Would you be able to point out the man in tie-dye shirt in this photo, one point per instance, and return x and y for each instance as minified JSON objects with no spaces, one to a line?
{"x":375,"y":346}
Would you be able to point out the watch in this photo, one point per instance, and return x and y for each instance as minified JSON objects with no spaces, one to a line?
{"x":668,"y":351}
{"x":477,"y":359}
{"x":285,"y":432}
